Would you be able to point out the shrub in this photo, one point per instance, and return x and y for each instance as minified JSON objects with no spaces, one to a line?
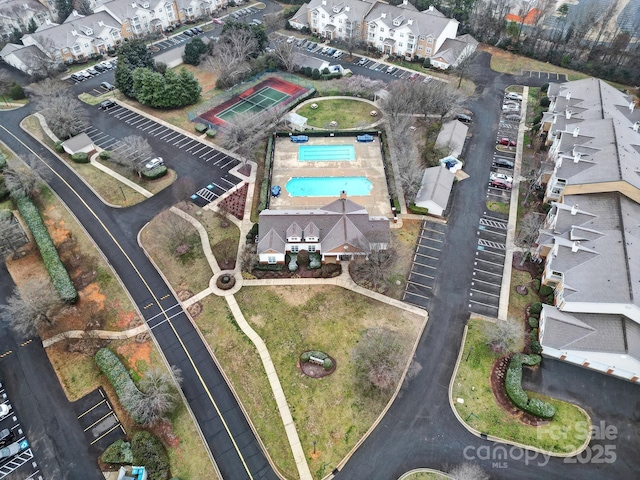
{"x":534,"y":335}
{"x":200,"y":127}
{"x":308,"y":71}
{"x":513,"y":387}
{"x":105,"y":155}
{"x":156,"y":172}
{"x":118,"y":377}
{"x":544,"y":87}
{"x":3,"y":162}
{"x":118,"y":452}
{"x":16,"y":92}
{"x":57,"y":271}
{"x":293,"y":262}
{"x":269,"y":267}
{"x":326,"y":71}
{"x":328,"y":364}
{"x":550,"y":299}
{"x":315,"y":261}
{"x":211,"y":132}
{"x":316,"y":74}
{"x":536,"y":347}
{"x":546,"y":290}
{"x":80,"y":157}
{"x":533,"y":322}
{"x":545,"y":102}
{"x":305,"y":356}
{"x":303,"y":258}
{"x":536,"y":284}
{"x":413,"y":208}
{"x":426,"y":63}
{"x":148,"y":451}
{"x":535,"y":308}
{"x":58,"y":146}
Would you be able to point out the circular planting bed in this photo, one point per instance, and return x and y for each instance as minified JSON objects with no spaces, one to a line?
{"x":225,"y":281}
{"x":522,"y":290}
{"x":351,"y":112}
{"x":316,"y":364}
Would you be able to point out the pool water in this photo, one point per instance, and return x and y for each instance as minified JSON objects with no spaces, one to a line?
{"x":326,"y":153}
{"x":328,"y":186}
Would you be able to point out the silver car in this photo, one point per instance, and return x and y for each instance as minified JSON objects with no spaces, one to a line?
{"x":10,"y":451}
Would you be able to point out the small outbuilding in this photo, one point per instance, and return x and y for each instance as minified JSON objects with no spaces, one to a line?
{"x":79,"y":143}
{"x":435,"y":190}
{"x":452,"y":137}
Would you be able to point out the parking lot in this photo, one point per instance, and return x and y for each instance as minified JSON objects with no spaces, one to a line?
{"x":552,"y":77}
{"x":484,"y":295}
{"x":420,"y":283}
{"x":21,"y":464}
{"x":98,"y":420}
{"x":206,"y":192}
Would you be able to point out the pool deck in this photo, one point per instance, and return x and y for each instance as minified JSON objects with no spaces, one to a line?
{"x":368,"y":163}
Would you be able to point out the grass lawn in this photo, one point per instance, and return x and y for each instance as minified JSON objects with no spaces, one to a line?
{"x":517,"y":302}
{"x":330,"y":411}
{"x":153,"y":186}
{"x":96,"y":99}
{"x":108,"y":188}
{"x":404,"y":241}
{"x":426,"y":476}
{"x":472,"y":384}
{"x":499,"y":207}
{"x":190,"y":271}
{"x":348,"y":113}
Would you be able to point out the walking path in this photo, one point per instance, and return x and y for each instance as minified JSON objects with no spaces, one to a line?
{"x":104,"y":334}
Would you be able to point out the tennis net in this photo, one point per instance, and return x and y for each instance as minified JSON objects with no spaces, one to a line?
{"x":264,"y":104}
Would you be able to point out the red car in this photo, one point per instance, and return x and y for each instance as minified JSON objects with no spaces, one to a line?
{"x":499,"y":183}
{"x":507,"y":142}
{"x":218,"y":21}
{"x":413,"y":76}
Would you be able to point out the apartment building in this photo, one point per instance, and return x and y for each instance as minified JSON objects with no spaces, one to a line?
{"x":17,"y":15}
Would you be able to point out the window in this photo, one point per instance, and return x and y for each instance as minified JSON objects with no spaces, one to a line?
{"x":428,"y":50}
{"x":323,"y":15}
{"x":419,"y":47}
{"x":430,"y":40}
{"x":86,"y":45}
{"x":339,"y":30}
{"x":271,"y":259}
{"x":421,"y":37}
{"x":128,"y":30}
{"x":402,"y":35}
{"x":312,"y":248}
{"x":295,"y":248}
{"x":65,"y":50}
{"x":381,"y":29}
{"x":400,"y":44}
{"x":381,"y":39}
{"x":159,"y":10}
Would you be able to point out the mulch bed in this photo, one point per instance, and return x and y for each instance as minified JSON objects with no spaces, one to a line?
{"x":314,"y":370}
{"x":532,"y":268}
{"x":498,"y":372}
{"x":328,"y":270}
{"x":234,"y":203}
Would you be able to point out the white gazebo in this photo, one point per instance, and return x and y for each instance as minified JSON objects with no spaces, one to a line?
{"x":295,"y":121}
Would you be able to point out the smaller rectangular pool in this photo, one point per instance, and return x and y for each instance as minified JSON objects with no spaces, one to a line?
{"x":328,"y":186}
{"x":326,"y":153}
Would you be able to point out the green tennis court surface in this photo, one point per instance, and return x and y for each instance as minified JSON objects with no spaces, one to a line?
{"x":259,"y":101}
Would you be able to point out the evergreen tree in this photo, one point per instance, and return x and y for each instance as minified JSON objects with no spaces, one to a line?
{"x":193,"y":51}
{"x":65,"y":8}
{"x":131,"y":55}
{"x":33,"y":26}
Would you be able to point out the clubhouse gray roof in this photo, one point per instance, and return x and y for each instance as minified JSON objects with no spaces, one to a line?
{"x":591,"y":332}
{"x":62,"y":36}
{"x":452,"y":136}
{"x":607,"y":227}
{"x":77,"y":143}
{"x":436,"y":187}
{"x":339,"y":223}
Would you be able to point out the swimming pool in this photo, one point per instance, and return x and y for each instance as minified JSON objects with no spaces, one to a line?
{"x":328,"y":186}
{"x":326,"y":153}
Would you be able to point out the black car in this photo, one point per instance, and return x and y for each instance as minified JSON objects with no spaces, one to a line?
{"x":461,"y":117}
{"x":107,"y":104}
{"x":195,"y":31}
{"x":6,"y":437}
{"x":100,"y":68}
{"x":198,"y":29}
{"x":188,"y":33}
{"x":502,"y":163}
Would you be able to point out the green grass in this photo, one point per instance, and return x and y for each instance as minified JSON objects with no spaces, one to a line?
{"x":517,"y":302}
{"x":347,"y":113}
{"x":498,"y":207}
{"x":472,"y":384}
{"x":95,"y":100}
{"x":331,"y":411}
{"x":430,"y":475}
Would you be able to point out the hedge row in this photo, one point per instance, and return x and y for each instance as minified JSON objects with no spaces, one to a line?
{"x":200,"y":127}
{"x":154,"y":173}
{"x":118,"y":376}
{"x":80,"y":157}
{"x":271,"y":267}
{"x":58,"y":273}
{"x":413,"y":208}
{"x":148,"y":450}
{"x":118,"y":452}
{"x":513,"y":387}
{"x":264,"y":188}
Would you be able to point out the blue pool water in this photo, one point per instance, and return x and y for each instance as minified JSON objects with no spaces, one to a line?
{"x":326,"y":153}
{"x":328,"y":186}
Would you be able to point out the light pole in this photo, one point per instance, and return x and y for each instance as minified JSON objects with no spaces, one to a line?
{"x":314,"y":447}
{"x":122,"y":192}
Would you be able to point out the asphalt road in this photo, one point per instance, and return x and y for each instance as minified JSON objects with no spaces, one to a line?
{"x":58,"y":442}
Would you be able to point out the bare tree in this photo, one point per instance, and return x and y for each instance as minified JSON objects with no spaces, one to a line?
{"x":182,"y":189}
{"x":37,"y":303}
{"x":132,"y":157}
{"x":175,"y":230}
{"x":528,"y":232}
{"x":230,"y":59}
{"x":25,"y":180}
{"x":375,"y":268}
{"x":158,"y":396}
{"x":378,"y":360}
{"x":466,"y":67}
{"x":248,"y":258}
{"x":405,"y":155}
{"x":503,"y":335}
{"x":63,"y":112}
{"x":286,"y":55}
{"x":12,"y":237}
{"x":468,"y":471}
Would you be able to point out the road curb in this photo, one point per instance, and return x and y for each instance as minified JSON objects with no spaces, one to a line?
{"x":495,"y":439}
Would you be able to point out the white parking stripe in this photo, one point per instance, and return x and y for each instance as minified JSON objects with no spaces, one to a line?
{"x":225,"y":180}
{"x":407,"y":292}
{"x":157,"y":127}
{"x":485,"y":293}
{"x":488,"y":273}
{"x":486,"y":283}
{"x":136,"y":121}
{"x":487,"y":261}
{"x":419,"y":284}
{"x":161,"y":131}
{"x":495,"y":307}
{"x":228,"y":163}
{"x":420,"y":274}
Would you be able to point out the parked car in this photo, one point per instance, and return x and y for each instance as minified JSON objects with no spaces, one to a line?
{"x":501,"y":176}
{"x":391,"y":69}
{"x":107,"y":64}
{"x":514,"y":96}
{"x":92,"y":71}
{"x":324,"y":50}
{"x":331,"y":51}
{"x":4,"y":410}
{"x":195,"y":31}
{"x":461,"y":117}
{"x":107,"y":86}
{"x":507,"y":142}
{"x":107,"y":104}
{"x":84,"y":73}
{"x":499,"y":183}
{"x":503,"y":163}
{"x":217,"y":21}
{"x":255,"y":21}
{"x":413,"y":76}
{"x":291,"y":39}
{"x":337,"y":54}
{"x":6,"y":436}
{"x":77,"y":77}
{"x":362,"y":61}
{"x":300,"y":42}
{"x":511,"y":108}
{"x":312,"y":46}
{"x":100,"y":68}
{"x":188,"y":33}
{"x":153,"y":163}
{"x":170,"y":28}
{"x":512,"y":117}
{"x":199,"y":30}
{"x":10,"y":451}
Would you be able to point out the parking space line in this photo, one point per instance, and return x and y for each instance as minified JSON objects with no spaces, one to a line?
{"x":136,"y":121}
{"x":432,"y":230}
{"x":230,"y":183}
{"x":484,"y":293}
{"x":95,"y":406}
{"x":484,"y":304}
{"x":407,"y":292}
{"x":430,"y":247}
{"x":413,"y":272}
{"x":157,"y":127}
{"x":107,"y":433}
{"x":485,"y":271}
{"x":228,"y":163}
{"x":490,"y":263}
{"x":488,"y":283}
{"x":498,"y":254}
{"x":162,"y":130}
{"x":108,"y":414}
{"x":152,"y":124}
{"x":199,"y":150}
{"x":411,"y":282}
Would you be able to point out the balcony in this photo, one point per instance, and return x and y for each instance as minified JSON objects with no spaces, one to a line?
{"x":552,"y":276}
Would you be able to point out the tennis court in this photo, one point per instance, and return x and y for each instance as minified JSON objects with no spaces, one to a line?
{"x":257,"y":102}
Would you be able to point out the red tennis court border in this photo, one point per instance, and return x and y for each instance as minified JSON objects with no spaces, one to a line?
{"x":211,"y":118}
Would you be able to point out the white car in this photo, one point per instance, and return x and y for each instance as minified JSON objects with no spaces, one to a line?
{"x":514,"y":96}
{"x":10,"y":451}
{"x":291,"y":39}
{"x":4,"y":410}
{"x":337,"y":54}
{"x":153,"y":163}
{"x":501,"y":176}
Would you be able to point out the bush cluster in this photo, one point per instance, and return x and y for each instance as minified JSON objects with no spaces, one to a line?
{"x":535,"y":308}
{"x":148,"y":451}
{"x":118,"y":377}
{"x":536,"y":348}
{"x":105,"y":155}
{"x":533,"y":322}
{"x":328,"y":364}
{"x":536,"y":284}
{"x":546,"y":290}
{"x":269,"y":267}
{"x":413,"y":208}
{"x":513,"y":387}
{"x":58,"y":146}
{"x":157,"y":172}
{"x":315,"y":260}
{"x":200,"y":127}
{"x":58,"y":273}
{"x":118,"y":452}
{"x":545,"y":102}
{"x":293,"y":262}
{"x":211,"y":132}
{"x":80,"y":157}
